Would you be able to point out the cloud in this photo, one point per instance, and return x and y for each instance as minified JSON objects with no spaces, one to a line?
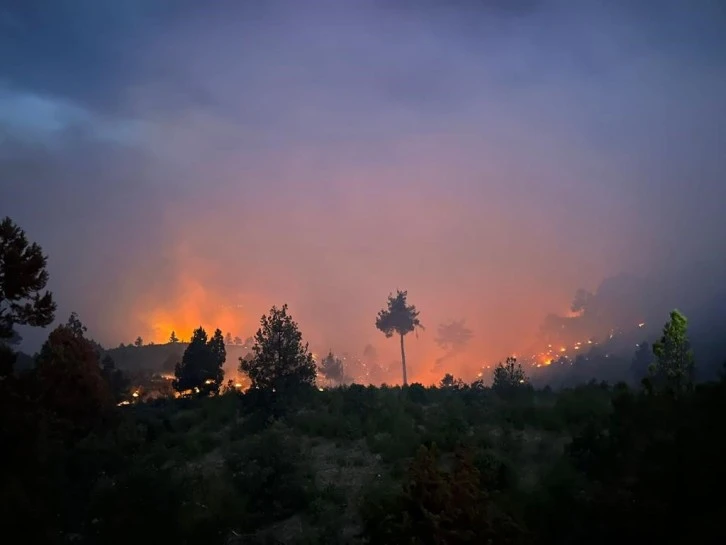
{"x":32,"y":118}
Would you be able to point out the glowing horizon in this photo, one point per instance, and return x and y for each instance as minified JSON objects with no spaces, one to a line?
{"x":490,"y":160}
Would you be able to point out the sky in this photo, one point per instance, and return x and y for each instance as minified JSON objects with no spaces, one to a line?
{"x":187,"y":163}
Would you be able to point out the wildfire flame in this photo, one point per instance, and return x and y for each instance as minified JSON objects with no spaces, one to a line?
{"x":197,"y":306}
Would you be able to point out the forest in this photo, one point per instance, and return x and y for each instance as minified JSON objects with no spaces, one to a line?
{"x":294,"y":458}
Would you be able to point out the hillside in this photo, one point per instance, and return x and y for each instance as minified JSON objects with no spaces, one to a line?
{"x":377,"y":465}
{"x":161,"y":358}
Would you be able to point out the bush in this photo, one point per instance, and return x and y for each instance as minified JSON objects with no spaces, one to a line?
{"x":140,"y":503}
{"x":436,"y":506}
{"x":270,"y":470}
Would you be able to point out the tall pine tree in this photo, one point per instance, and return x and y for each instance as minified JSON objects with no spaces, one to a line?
{"x":399,"y":318}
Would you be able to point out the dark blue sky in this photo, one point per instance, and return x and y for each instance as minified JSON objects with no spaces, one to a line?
{"x":177,"y":159}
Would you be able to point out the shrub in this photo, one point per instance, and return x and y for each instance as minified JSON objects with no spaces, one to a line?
{"x":270,"y":470}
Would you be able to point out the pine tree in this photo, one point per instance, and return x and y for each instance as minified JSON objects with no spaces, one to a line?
{"x":280,"y":359}
{"x":70,"y":379}
{"x":76,"y":326}
{"x":401,"y":319}
{"x":451,"y":382}
{"x":23,"y":297}
{"x":200,"y":369}
{"x":509,"y":377}
{"x":173,"y":339}
{"x":216,"y":345}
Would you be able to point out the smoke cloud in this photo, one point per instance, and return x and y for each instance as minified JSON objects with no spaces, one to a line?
{"x":186,"y":166}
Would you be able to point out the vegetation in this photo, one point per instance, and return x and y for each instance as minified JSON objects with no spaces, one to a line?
{"x":23,"y":297}
{"x":509,"y":377}
{"x":673,"y":366}
{"x":449,"y":381}
{"x":200,"y":370}
{"x":458,"y":464}
{"x":399,"y":318}
{"x":280,"y":361}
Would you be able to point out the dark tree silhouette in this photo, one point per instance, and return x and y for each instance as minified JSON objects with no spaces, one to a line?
{"x":70,"y":379}
{"x":79,"y":329}
{"x":117,"y":381}
{"x":139,"y":342}
{"x":23,"y":297}
{"x":76,"y":326}
{"x":332,"y":368}
{"x":280,"y":359}
{"x":452,"y":337}
{"x":509,"y":377}
{"x":173,"y":339}
{"x":401,"y":319}
{"x":200,"y":369}
{"x":216,"y":345}
{"x":449,"y":381}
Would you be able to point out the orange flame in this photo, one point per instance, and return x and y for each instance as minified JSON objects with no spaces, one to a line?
{"x":197,"y":307}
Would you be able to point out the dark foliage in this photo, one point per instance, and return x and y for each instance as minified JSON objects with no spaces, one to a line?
{"x":399,"y":318}
{"x":281,"y":361}
{"x":438,"y":506}
{"x":459,"y":464}
{"x":23,"y":298}
{"x":118,"y":382}
{"x":269,"y":469}
{"x":70,"y":381}
{"x":509,"y":378}
{"x":449,"y":381}
{"x":200,"y":370}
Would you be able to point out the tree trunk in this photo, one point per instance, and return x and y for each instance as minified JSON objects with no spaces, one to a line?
{"x":403,"y":363}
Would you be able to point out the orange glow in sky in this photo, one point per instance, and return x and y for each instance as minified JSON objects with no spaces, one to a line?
{"x":394,"y":151}
{"x":199,"y":306}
